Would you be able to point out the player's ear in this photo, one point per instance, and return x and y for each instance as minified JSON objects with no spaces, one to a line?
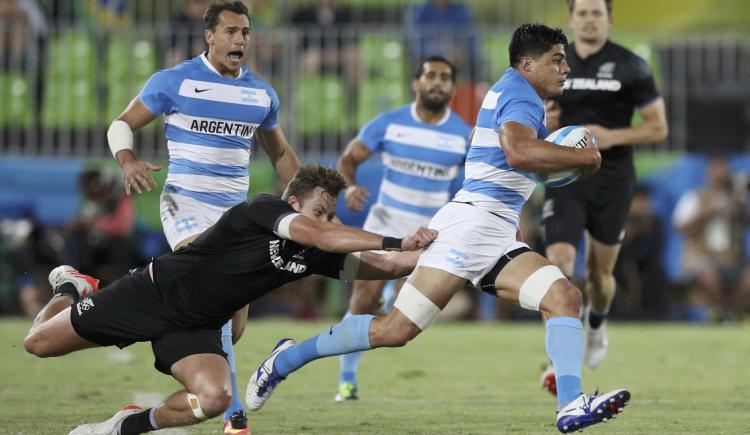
{"x":415,"y":86}
{"x":209,"y":35}
{"x":526,"y":63}
{"x":294,"y":202}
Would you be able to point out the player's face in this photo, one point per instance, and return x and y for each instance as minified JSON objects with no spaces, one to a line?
{"x":547,"y":74}
{"x":590,"y":21}
{"x":434,"y":88}
{"x":229,"y":43}
{"x":318,"y":205}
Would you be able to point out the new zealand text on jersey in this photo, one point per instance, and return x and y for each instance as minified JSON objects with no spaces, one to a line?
{"x":274,"y":248}
{"x":243,"y":130}
{"x":586,"y":84}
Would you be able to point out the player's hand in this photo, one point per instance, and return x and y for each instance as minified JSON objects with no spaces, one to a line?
{"x":137,"y":176}
{"x":604,"y":137}
{"x":593,"y":156}
{"x":419,"y":239}
{"x":356,"y":197}
{"x":552,"y":117}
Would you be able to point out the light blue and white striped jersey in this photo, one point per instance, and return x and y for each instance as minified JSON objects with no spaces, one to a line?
{"x":210,"y":121}
{"x":491,"y":183}
{"x":421,"y":160}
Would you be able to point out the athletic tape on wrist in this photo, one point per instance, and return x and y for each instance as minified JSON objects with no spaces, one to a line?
{"x":195,"y":406}
{"x":537,"y":285}
{"x":351,"y":267}
{"x":119,"y":136}
{"x":392,"y":244}
{"x":416,"y":306}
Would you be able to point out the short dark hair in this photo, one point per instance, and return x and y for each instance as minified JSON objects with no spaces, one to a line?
{"x":572,"y":4}
{"x":420,"y":67}
{"x":533,"y":40}
{"x":211,"y":16}
{"x":309,"y":177}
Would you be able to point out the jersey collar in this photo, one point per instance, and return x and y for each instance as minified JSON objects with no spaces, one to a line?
{"x":443,"y":120}
{"x":204,"y":58}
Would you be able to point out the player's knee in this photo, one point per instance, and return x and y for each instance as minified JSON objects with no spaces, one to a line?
{"x":562,"y":299}
{"x":36,"y":345}
{"x":601,"y":279}
{"x":212,"y":401}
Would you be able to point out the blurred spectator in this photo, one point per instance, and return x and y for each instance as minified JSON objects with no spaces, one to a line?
{"x":639,"y":269}
{"x":99,"y":238}
{"x":24,"y":28}
{"x":328,"y":43}
{"x":186,"y":37}
{"x":713,"y":220}
{"x":108,"y":14}
{"x":446,"y":28}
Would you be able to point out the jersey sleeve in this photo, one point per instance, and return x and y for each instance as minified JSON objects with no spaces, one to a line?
{"x":372,"y":134}
{"x":523,"y":111}
{"x":329,"y":264}
{"x":265,"y":211}
{"x":643,"y":88}
{"x":272,"y":119}
{"x":156,"y":94}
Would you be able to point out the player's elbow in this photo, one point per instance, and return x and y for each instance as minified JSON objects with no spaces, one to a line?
{"x":661,"y":133}
{"x":515,"y":159}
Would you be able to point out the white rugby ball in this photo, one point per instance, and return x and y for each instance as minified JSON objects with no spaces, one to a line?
{"x":570,"y":136}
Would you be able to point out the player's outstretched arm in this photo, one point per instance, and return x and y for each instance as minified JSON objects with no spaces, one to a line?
{"x":391,"y":265}
{"x":282,"y":155}
{"x":332,"y":237}
{"x":355,"y":154}
{"x":120,"y":138}
{"x":523,"y":150}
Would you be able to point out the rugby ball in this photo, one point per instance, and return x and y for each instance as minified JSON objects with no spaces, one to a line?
{"x":570,"y":136}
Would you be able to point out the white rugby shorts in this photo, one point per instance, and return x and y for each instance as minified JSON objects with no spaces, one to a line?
{"x":470,"y":241}
{"x":392,"y":222}
{"x":182,"y":216}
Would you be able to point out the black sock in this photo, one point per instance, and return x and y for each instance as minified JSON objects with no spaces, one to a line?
{"x":68,"y":289}
{"x":137,"y":423}
{"x":595,"y":320}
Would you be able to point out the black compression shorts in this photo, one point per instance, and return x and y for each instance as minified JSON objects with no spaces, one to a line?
{"x":129,"y":311}
{"x":599,"y":204}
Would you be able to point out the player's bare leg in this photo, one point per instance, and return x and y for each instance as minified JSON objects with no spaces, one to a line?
{"x":600,"y":289}
{"x":207,"y":393}
{"x":52,"y":333}
{"x":365,"y":299}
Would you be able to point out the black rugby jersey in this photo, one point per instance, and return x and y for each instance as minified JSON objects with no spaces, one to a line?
{"x":234,"y":262}
{"x":605,"y":89}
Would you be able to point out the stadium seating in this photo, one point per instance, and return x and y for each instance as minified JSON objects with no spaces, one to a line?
{"x":15,"y":93}
{"x":70,"y":99}
{"x":321,"y":105}
{"x":383,"y":57}
{"x":495,"y":48}
{"x":129,"y":63}
{"x":378,"y":95}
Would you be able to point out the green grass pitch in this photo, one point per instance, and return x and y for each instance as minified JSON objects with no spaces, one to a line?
{"x":472,"y":378}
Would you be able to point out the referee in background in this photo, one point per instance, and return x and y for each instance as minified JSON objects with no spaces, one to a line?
{"x":607,"y":82}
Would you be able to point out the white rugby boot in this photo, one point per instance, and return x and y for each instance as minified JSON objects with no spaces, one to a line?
{"x":108,"y":427}
{"x":264,"y":380}
{"x":84,"y":284}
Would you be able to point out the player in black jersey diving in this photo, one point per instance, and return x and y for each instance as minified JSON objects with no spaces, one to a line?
{"x":180,"y":300}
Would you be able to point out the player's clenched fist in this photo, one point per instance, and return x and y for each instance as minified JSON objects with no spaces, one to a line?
{"x":419,"y":239}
